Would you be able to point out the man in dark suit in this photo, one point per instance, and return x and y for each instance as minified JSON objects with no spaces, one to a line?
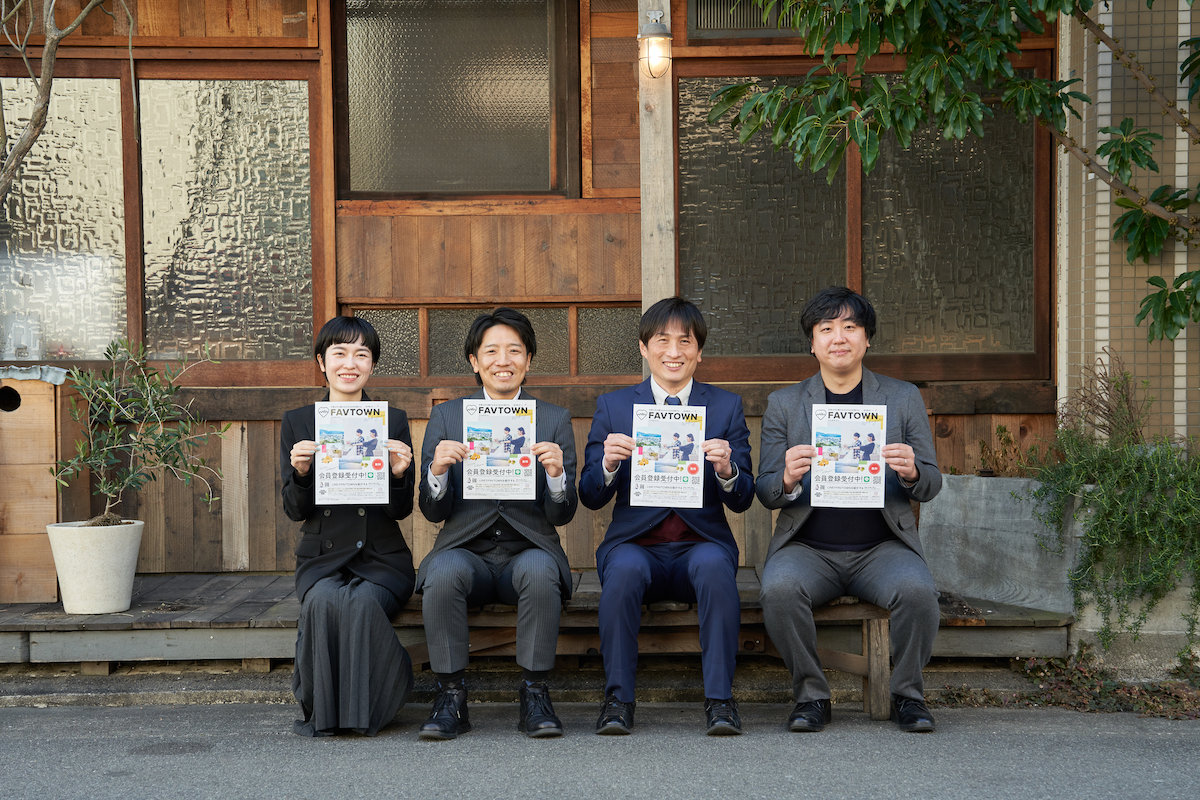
{"x":651,"y":554}
{"x":495,"y":551}
{"x":818,"y":554}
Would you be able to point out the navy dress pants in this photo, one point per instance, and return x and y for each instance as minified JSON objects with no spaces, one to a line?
{"x":688,"y":572}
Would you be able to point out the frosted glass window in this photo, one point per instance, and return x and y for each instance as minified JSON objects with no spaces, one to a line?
{"x":62,"y":236}
{"x":449,"y":96}
{"x":226,"y":218}
{"x":948,"y":242}
{"x":448,"y":331}
{"x":757,"y":236}
{"x":608,"y":341}
{"x":399,"y":340}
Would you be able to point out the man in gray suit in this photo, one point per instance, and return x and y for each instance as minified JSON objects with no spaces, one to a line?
{"x":818,"y":554}
{"x":495,"y":551}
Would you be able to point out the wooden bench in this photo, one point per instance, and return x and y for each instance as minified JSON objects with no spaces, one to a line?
{"x":672,"y":627}
{"x":252,"y":618}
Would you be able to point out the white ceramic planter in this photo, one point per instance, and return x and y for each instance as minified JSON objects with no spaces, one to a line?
{"x":95,"y":565}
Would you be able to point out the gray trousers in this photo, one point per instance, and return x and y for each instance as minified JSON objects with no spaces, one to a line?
{"x":799,"y":578}
{"x":458,"y":579}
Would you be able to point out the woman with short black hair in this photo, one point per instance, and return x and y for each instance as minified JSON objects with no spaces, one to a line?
{"x":354,"y":570}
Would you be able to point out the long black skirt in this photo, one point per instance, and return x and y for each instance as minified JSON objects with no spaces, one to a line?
{"x":351,"y":672}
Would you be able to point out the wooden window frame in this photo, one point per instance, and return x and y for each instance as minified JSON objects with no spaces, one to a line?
{"x":565,"y":138}
{"x":116,"y":64}
{"x":916,"y":367}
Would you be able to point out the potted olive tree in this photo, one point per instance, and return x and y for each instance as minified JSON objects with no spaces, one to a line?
{"x":132,"y":429}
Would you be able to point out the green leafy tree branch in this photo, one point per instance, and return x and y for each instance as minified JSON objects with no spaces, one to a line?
{"x":954,"y":50}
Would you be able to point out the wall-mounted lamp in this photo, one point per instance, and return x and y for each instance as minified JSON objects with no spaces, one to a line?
{"x":654,"y":46}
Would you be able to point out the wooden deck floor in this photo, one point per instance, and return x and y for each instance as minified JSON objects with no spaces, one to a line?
{"x":233,"y":616}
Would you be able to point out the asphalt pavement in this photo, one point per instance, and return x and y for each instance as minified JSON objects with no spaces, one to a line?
{"x":249,"y":751}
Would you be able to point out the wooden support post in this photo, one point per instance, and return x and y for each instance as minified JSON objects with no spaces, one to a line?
{"x":656,"y":120}
{"x":95,"y":667}
{"x":256,"y":664}
{"x":876,"y":647}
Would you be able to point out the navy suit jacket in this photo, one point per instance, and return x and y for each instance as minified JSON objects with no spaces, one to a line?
{"x":724,"y":420}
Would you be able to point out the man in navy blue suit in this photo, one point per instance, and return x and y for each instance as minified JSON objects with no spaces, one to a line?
{"x":652,"y":554}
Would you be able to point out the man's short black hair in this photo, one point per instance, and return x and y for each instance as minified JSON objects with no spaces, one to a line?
{"x":347,"y":330}
{"x":499,"y":316}
{"x":831,"y":303}
{"x":673,"y":309}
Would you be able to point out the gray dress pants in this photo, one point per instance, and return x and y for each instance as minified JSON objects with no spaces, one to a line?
{"x":458,"y":579}
{"x":799,"y":578}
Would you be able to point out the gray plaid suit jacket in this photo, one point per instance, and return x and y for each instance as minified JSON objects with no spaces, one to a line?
{"x":466,"y":519}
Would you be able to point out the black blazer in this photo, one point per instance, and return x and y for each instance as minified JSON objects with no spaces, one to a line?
{"x":362,"y":539}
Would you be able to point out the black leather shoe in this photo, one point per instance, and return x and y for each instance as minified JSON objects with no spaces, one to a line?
{"x":616,"y":718}
{"x":537,"y":712}
{"x":723,"y":719}
{"x":449,"y":716}
{"x":810,"y":717}
{"x":911,"y":715}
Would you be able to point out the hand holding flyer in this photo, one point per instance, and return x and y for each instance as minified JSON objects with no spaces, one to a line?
{"x":499,"y":464}
{"x":667,"y":466}
{"x":351,"y":461}
{"x":848,"y":469}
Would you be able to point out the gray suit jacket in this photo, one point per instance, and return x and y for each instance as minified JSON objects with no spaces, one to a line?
{"x":466,"y":519}
{"x":788,"y":422}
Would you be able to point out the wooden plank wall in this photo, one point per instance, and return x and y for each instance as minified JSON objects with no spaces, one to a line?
{"x":247,"y":529}
{"x":419,"y":256}
{"x":244,"y":23}
{"x":610,"y":98}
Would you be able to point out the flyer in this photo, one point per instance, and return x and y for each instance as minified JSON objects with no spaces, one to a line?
{"x":499,"y":435}
{"x":848,"y":470}
{"x":668,"y":462}
{"x":352,"y":458}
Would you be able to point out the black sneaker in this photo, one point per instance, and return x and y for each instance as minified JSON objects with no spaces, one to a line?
{"x":616,"y":718}
{"x":449,"y":716}
{"x":723,"y":718}
{"x":537,"y":712}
